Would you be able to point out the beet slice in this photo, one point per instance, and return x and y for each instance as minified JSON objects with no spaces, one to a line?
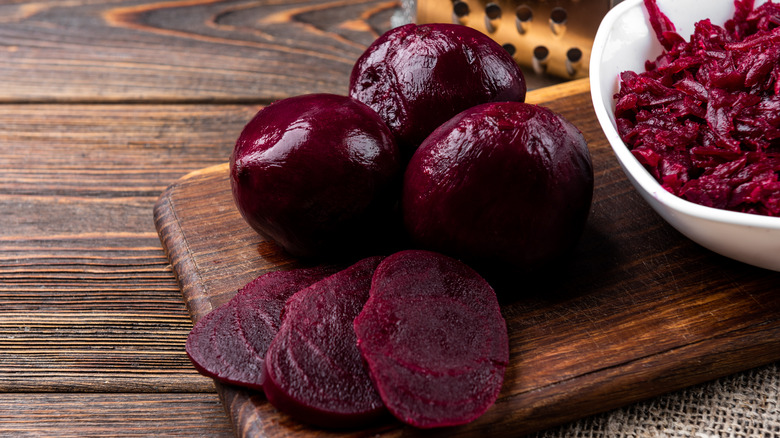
{"x":314,"y":371}
{"x":433,"y":338}
{"x":229,"y":343}
{"x":259,"y":306}
{"x":200,"y":348}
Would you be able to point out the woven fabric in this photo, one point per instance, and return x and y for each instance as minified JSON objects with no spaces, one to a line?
{"x":744,"y":405}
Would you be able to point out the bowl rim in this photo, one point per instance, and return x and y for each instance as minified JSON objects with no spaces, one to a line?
{"x":627,"y":160}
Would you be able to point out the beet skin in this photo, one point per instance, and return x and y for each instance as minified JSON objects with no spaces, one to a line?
{"x":505,"y":184}
{"x":434,"y":339}
{"x":418,"y":76}
{"x":314,"y":371}
{"x":316,"y":173}
{"x":230,"y":342}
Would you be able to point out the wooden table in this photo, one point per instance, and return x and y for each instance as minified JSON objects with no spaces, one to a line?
{"x":102,"y":106}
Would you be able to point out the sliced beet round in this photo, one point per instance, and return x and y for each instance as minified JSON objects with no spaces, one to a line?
{"x":433,"y":338}
{"x":259,"y":307}
{"x":240,"y":366}
{"x":314,"y":371}
{"x":200,"y":348}
{"x":229,"y":343}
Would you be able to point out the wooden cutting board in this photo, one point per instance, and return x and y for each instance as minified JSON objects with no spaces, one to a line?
{"x":639,"y":311}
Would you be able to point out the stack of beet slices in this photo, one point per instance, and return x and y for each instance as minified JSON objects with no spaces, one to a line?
{"x":229,"y":343}
{"x":434,"y":339}
{"x":313,"y":368}
{"x":417,"y":334}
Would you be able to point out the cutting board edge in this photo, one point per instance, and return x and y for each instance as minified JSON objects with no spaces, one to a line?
{"x":183,"y":265}
{"x":238,"y":405}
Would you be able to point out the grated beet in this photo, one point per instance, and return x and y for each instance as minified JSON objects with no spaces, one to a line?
{"x":229,"y":343}
{"x":314,"y":371}
{"x":704,"y":118}
{"x":434,"y":339}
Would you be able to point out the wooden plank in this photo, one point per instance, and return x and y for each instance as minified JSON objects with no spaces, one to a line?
{"x":193,"y":50}
{"x":88,"y":300}
{"x":639,"y":311}
{"x":101,"y":415}
{"x":111,"y":153}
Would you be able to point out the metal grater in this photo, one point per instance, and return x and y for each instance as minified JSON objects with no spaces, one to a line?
{"x":549,"y":37}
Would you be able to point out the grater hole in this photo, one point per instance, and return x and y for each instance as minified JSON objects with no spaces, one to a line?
{"x":539,"y":62}
{"x":558,"y":15}
{"x":541,"y":52}
{"x":524,"y":13}
{"x":510,"y":48}
{"x":574,"y":55}
{"x":493,"y":11}
{"x":460,"y":9}
{"x":573,"y":58}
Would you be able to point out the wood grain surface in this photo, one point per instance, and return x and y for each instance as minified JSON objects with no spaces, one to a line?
{"x":112,"y":415}
{"x":92,"y":323}
{"x":89,"y":301}
{"x":104,"y":103}
{"x":639,"y":311}
{"x":192,"y":50}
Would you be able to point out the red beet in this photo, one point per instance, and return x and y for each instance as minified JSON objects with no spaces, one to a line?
{"x":434,"y":339}
{"x":240,"y":364}
{"x":229,"y":343}
{"x":314,"y":371}
{"x":704,"y":119}
{"x":508,"y":183}
{"x":259,"y":305}
{"x":201,"y":349}
{"x":417,"y":77}
{"x":316,"y":173}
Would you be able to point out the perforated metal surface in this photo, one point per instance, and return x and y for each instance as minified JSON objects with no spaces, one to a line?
{"x":549,"y":37}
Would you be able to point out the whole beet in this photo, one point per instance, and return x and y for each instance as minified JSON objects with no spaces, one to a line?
{"x":500,"y":184}
{"x":316,"y":173}
{"x":419,"y":76}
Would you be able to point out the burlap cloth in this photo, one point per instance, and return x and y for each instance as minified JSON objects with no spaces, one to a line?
{"x":738,"y":406}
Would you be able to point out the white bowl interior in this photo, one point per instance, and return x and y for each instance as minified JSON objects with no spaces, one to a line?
{"x":624,"y":41}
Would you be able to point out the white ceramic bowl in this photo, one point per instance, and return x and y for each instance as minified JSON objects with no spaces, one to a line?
{"x":624,"y":41}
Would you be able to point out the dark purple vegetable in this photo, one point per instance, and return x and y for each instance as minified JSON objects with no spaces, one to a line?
{"x":417,"y":77}
{"x":260,"y":303}
{"x":434,"y":339}
{"x":314,"y":371}
{"x":704,"y":118}
{"x":316,"y":173}
{"x":230,"y":342}
{"x":241,"y":365}
{"x":508,"y":183}
{"x":201,"y":349}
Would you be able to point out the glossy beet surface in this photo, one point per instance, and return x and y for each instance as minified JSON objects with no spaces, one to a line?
{"x":314,"y":371}
{"x":503,"y":182}
{"x":229,"y":343}
{"x":316,"y":173}
{"x":417,"y":77}
{"x":434,"y":339}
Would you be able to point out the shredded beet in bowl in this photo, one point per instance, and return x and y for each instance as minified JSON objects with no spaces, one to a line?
{"x":688,"y":95}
